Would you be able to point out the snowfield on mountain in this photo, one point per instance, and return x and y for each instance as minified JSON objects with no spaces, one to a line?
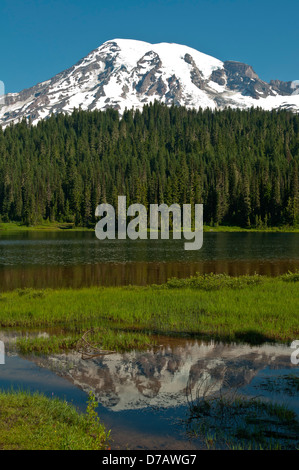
{"x":125,"y":73}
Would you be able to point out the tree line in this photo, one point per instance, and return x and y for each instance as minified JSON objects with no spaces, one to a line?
{"x":242,"y":165}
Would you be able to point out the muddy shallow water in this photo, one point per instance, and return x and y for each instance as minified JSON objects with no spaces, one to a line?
{"x":143,"y":396}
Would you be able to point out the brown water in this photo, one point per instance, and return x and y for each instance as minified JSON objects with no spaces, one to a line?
{"x":79,"y":259}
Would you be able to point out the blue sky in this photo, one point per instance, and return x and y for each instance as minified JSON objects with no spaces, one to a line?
{"x":43,"y":37}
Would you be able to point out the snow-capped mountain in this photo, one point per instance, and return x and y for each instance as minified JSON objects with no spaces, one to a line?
{"x":128,"y":74}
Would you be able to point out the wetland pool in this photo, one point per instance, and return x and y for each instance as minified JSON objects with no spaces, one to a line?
{"x":144,"y":397}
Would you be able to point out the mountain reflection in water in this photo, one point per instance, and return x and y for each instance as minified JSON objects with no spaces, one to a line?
{"x":142,"y":396}
{"x":159,"y":377}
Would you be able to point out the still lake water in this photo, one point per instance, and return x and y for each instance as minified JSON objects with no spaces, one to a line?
{"x":79,"y":259}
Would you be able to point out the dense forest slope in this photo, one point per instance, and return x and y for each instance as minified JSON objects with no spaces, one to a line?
{"x":241,"y":164}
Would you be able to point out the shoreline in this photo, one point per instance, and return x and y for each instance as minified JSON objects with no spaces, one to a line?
{"x":7,"y":227}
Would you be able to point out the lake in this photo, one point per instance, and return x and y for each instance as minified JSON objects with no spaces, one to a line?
{"x":144,"y":397}
{"x":79,"y":259}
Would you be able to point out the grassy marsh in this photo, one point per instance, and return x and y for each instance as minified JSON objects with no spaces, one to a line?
{"x":35,"y":422}
{"x":60,"y":226}
{"x":242,"y":423}
{"x":226,"y":419}
{"x":253,"y":309}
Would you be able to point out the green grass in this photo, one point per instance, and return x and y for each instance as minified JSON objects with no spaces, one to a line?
{"x":102,"y":340}
{"x":43,"y":226}
{"x":230,"y":228}
{"x":253,"y":309}
{"x":35,"y":422}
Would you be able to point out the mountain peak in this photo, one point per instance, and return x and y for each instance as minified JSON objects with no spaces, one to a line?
{"x":128,"y":73}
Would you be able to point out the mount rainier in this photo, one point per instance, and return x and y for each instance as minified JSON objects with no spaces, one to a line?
{"x":125,"y":73}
